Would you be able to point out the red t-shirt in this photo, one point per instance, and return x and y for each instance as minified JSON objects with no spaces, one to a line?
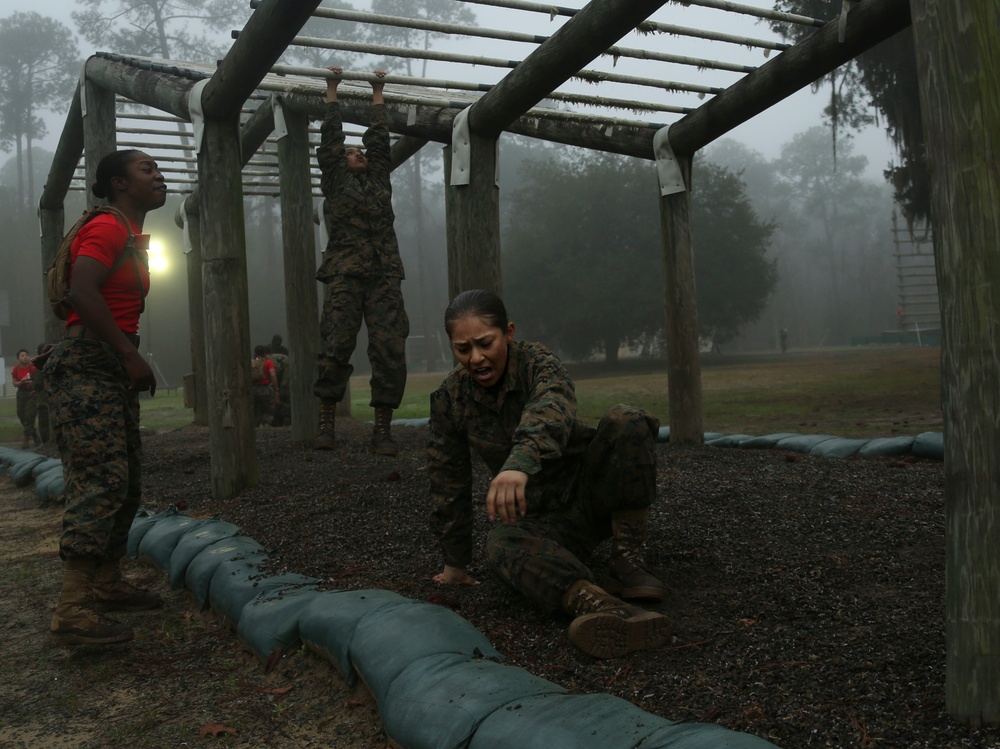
{"x":103,"y":238}
{"x":268,"y":368}
{"x":19,"y":373}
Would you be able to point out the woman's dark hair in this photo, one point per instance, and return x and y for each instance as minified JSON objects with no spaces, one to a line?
{"x":20,"y":350}
{"x":477,"y":303}
{"x":261,"y":351}
{"x":111,"y":166}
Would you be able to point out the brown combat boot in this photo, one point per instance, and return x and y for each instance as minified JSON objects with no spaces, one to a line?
{"x":630,"y":578}
{"x":74,"y":621}
{"x":606,"y":627}
{"x":112,"y":592}
{"x":327,"y":423}
{"x":381,"y":442}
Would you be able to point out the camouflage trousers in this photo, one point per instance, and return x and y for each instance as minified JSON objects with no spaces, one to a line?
{"x":263,"y":404}
{"x":379,"y":301}
{"x":541,"y":556}
{"x":96,"y":422}
{"x":27,"y":411}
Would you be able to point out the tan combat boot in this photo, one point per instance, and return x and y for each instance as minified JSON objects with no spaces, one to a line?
{"x":382,"y":442}
{"x":606,"y":627}
{"x":631,"y":579}
{"x":74,"y":621}
{"x":327,"y":423}
{"x":112,"y":592}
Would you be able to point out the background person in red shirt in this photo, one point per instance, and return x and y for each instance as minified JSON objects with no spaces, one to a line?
{"x":265,"y":386}
{"x":23,"y":374}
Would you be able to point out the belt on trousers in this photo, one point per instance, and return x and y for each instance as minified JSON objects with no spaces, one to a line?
{"x":82,"y":331}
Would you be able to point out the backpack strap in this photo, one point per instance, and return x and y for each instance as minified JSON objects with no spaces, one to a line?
{"x":128,"y":251}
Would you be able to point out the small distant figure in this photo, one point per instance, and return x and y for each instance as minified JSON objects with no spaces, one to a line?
{"x":24,"y":374}
{"x":265,"y":386}
{"x":283,"y":407}
{"x":276,"y":347}
{"x":784,"y":340}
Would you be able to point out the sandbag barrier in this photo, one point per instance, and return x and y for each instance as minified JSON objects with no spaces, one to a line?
{"x":437,"y":680}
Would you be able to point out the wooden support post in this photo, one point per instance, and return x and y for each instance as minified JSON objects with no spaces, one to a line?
{"x":227,"y":310}
{"x":451,"y":233}
{"x":191,"y":221}
{"x":53,"y":227}
{"x":956,"y":57}
{"x":299,"y":243}
{"x":474,"y":214}
{"x":683,"y":359}
{"x":99,"y":134}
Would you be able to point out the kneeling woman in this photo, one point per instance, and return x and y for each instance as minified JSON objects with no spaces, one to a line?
{"x":560,"y":486}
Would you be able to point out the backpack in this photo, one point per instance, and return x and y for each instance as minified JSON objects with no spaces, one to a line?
{"x":58,"y":273}
{"x":280,"y":362}
{"x":257,"y":369}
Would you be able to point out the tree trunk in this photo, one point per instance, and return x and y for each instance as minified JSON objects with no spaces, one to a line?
{"x":959,"y":69}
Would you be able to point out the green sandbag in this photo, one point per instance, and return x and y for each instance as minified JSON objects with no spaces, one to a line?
{"x":192,"y":543}
{"x":159,"y":541}
{"x":391,"y":638}
{"x":327,"y":625}
{"x":46,"y":483}
{"x":886,"y":446}
{"x":201,"y":569}
{"x":838,"y":447}
{"x":803,"y":443}
{"x":440,"y":700}
{"x":767,"y":441}
{"x":270,"y":622}
{"x":46,"y":465}
{"x":929,"y":445}
{"x":20,"y":472}
{"x":141,"y":523}
{"x":237,"y":582}
{"x":567,"y":721}
{"x":702,"y":736}
{"x":727,"y":440}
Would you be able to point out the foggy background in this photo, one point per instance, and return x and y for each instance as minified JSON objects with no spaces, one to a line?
{"x":830,"y":243}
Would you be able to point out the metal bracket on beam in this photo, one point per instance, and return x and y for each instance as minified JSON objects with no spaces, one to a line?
{"x":845,"y":8}
{"x":197,"y":113}
{"x":461,"y":151}
{"x":83,"y":90}
{"x":280,"y":126}
{"x":668,"y":171}
{"x":185,"y":223}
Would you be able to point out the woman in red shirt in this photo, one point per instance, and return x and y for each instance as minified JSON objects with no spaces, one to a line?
{"x":93,"y":379}
{"x":23,"y":375}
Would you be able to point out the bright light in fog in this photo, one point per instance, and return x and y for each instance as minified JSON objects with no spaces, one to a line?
{"x":157,"y":257}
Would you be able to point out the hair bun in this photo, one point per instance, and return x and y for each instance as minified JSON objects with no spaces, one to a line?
{"x":98,"y":191}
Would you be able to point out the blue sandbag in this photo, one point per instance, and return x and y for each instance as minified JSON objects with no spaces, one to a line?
{"x":141,"y":523}
{"x":394,"y":636}
{"x":237,"y":582}
{"x":46,"y":465}
{"x":192,"y":543}
{"x":803,"y":443}
{"x":159,"y":541}
{"x":929,"y":445}
{"x":20,"y":472}
{"x":567,"y":721}
{"x":418,"y":422}
{"x":270,"y":622}
{"x":886,"y":446}
{"x":838,"y":447}
{"x":201,"y":569}
{"x":663,"y":435}
{"x":767,"y":441}
{"x":709,"y":436}
{"x":702,"y":736}
{"x":727,"y":440}
{"x":327,"y":625}
{"x":439,"y":701}
{"x":47,"y":482}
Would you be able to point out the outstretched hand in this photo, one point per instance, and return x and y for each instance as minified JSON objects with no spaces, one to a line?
{"x":333,"y":82}
{"x":506,"y":498}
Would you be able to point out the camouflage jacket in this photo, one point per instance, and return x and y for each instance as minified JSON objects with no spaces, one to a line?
{"x":357,"y":207}
{"x":527,"y":422}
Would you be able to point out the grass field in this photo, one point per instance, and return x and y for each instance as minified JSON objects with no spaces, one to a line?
{"x":850,"y":392}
